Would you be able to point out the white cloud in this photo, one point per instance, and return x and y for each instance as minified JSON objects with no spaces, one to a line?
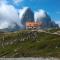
{"x":39,"y":14}
{"x":3,"y":25}
{"x":22,"y":11}
{"x":17,"y":1}
{"x":58,"y":22}
{"x":3,"y":1}
{"x":8,"y":15}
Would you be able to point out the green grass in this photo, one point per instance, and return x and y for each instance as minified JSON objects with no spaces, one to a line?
{"x":54,"y":30}
{"x":35,"y":44}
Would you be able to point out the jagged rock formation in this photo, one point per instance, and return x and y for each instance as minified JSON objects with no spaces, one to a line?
{"x":26,"y":14}
{"x":42,"y":16}
{"x":54,"y":25}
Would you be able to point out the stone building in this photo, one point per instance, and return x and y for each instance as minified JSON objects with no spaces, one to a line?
{"x":33,"y":25}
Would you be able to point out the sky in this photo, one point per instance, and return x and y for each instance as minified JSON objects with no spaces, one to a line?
{"x":50,"y":6}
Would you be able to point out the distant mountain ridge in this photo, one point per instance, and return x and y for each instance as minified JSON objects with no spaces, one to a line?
{"x":11,"y":29}
{"x":27,"y":15}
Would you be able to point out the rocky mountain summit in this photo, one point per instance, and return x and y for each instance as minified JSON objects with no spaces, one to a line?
{"x":26,"y":15}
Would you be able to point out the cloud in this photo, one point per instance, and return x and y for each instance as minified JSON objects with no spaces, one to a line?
{"x":17,"y":1}
{"x":7,"y":24}
{"x":8,"y":15}
{"x":57,"y":22}
{"x":3,"y":1}
{"x":22,"y":11}
{"x":42,"y":16}
{"x":39,"y":14}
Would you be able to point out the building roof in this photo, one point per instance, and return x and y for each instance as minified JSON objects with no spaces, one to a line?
{"x":33,"y":24}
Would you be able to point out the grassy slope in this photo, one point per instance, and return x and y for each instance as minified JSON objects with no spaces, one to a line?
{"x":35,"y":44}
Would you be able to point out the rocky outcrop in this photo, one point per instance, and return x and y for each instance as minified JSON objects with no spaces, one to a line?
{"x":42,"y":16}
{"x":26,"y":15}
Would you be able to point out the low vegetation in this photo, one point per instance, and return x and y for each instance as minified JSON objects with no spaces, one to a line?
{"x":29,"y":44}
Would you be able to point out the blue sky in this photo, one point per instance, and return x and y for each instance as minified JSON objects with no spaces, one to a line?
{"x":51,"y":6}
